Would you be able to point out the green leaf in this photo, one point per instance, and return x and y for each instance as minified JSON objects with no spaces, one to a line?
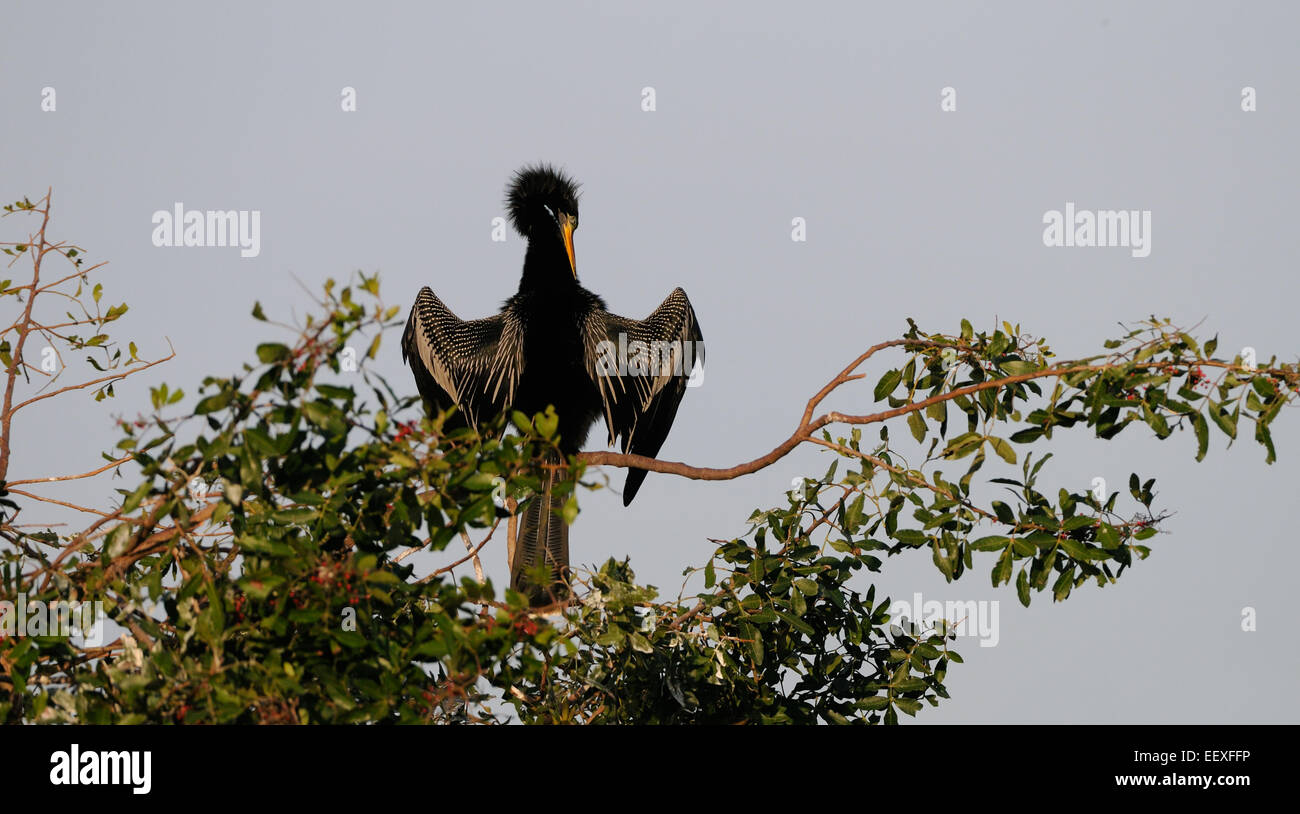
{"x":911,"y":706}
{"x":797,"y":623}
{"x":547,"y":422}
{"x":1075,"y":549}
{"x":755,"y":642}
{"x":269,"y":352}
{"x":806,"y":586}
{"x":118,"y":540}
{"x":301,"y":514}
{"x":326,"y":416}
{"x":1107,"y":536}
{"x":854,"y":514}
{"x":963,"y":445}
{"x":570,"y":510}
{"x":479,"y":481}
{"x":522,"y":422}
{"x":330,"y":391}
{"x":1202,"y":430}
{"x":1004,"y":513}
{"x":132,"y":501}
{"x":1027,"y":435}
{"x":887,"y":384}
{"x":1061,"y":588}
{"x":213,"y":403}
{"x":1018,"y":368}
{"x":917,"y":425}
{"x":911,"y":537}
{"x":1224,"y":421}
{"x":1003,"y":449}
{"x":1002,"y":571}
{"x":1022,"y":587}
{"x":1265,"y":437}
{"x":995,"y":543}
{"x":610,"y":638}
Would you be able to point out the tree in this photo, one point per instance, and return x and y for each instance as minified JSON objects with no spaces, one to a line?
{"x":258,"y":564}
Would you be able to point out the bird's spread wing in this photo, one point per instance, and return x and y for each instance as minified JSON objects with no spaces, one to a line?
{"x":642,"y":369}
{"x":474,"y":365}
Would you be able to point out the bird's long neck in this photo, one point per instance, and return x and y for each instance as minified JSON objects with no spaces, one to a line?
{"x":546,"y":268}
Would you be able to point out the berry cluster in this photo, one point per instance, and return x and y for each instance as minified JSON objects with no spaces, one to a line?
{"x":308,"y":354}
{"x":1281,"y":383}
{"x":334,"y":577}
{"x":520,"y":624}
{"x":299,"y":600}
{"x":127,"y":424}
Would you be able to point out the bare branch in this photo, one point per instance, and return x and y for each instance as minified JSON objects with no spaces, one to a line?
{"x":11,"y":375}
{"x":113,"y":378}
{"x":90,"y":474}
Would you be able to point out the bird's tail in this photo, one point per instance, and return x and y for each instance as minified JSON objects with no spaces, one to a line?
{"x":543,"y":539}
{"x":635,"y":477}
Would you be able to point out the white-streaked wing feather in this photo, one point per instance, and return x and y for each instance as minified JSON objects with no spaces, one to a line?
{"x":473,"y":364}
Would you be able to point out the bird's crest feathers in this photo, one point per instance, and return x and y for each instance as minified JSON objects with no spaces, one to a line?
{"x":534,"y":189}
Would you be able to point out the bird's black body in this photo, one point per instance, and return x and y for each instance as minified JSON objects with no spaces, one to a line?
{"x":551,"y":345}
{"x":553,"y":322}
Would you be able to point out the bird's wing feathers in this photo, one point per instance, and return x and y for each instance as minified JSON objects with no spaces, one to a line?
{"x":641,"y":369}
{"x":474,"y":365}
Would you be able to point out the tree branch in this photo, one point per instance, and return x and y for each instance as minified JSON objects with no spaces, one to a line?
{"x":90,"y":474}
{"x":809,"y":425}
{"x":11,"y":375}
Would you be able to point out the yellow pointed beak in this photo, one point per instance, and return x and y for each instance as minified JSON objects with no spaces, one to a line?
{"x":567,"y":225}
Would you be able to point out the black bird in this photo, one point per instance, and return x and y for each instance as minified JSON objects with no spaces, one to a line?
{"x":555,"y":343}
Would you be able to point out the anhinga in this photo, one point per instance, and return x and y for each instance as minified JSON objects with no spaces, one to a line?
{"x":554,"y":343}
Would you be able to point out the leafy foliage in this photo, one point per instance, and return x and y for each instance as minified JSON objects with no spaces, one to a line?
{"x":260,"y":567}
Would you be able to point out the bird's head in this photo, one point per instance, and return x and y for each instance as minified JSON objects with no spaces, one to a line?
{"x":543,"y":206}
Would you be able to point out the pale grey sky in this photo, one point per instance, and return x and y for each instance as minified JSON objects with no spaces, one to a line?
{"x":765,"y":112}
